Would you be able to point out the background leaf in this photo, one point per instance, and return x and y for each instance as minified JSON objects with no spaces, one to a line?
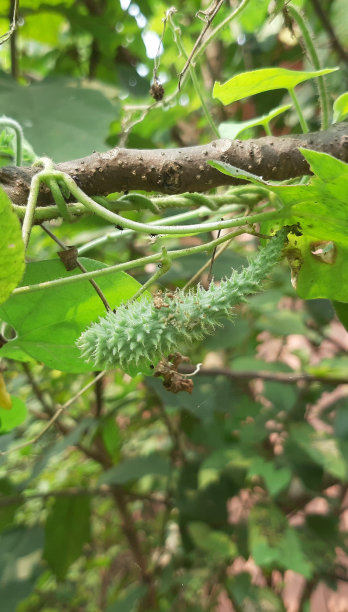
{"x":11,"y":248}
{"x":61,"y":118}
{"x":9,"y":419}
{"x":67,"y":529}
{"x":48,"y":322}
{"x":135,"y":468}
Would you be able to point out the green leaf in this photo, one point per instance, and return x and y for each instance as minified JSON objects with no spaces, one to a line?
{"x":128,"y":602}
{"x":266,"y":79}
{"x":282,"y":323}
{"x":334,"y":367}
{"x":67,"y":529}
{"x":9,"y":419}
{"x":111,"y":437}
{"x":11,"y":248}
{"x":62,"y":118}
{"x":135,"y":468}
{"x":321,"y":447}
{"x":217,"y":544}
{"x":20,"y":548}
{"x":7,"y":513}
{"x":254,"y":15}
{"x":48,"y":322}
{"x":319,"y":254}
{"x":320,"y":206}
{"x":252,"y":597}
{"x":276,"y":479}
{"x":43,"y":27}
{"x":212,"y":467}
{"x":341,"y":310}
{"x":273,"y":543}
{"x":232,"y":129}
{"x":340,"y":108}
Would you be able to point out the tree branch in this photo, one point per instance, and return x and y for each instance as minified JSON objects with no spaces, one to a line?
{"x":290,"y":378}
{"x":174,"y":171}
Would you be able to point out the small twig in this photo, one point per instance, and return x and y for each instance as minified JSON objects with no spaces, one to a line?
{"x":335,"y":43}
{"x":99,"y":395}
{"x":13,"y":25}
{"x":56,"y":416}
{"x":210,"y":13}
{"x":103,"y":490}
{"x":212,"y":259}
{"x":80,"y":266}
{"x":217,"y":253}
{"x":13,"y":41}
{"x":162,"y":268}
{"x":36,"y":389}
{"x":281,"y":377}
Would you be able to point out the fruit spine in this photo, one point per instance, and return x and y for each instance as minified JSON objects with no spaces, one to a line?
{"x":140,"y":333}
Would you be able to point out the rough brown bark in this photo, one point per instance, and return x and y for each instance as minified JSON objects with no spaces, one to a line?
{"x":174,"y":171}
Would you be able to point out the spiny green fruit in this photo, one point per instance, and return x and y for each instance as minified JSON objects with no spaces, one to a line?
{"x":140,"y":333}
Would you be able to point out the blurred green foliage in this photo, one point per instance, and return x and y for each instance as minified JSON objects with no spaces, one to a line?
{"x":138,"y":499}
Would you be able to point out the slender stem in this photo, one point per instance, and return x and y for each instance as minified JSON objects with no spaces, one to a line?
{"x":217,"y":252}
{"x":335,"y":43}
{"x":308,"y":41}
{"x":54,"y":418}
{"x":199,"y":212}
{"x":30,"y":209}
{"x":204,"y":106}
{"x":177,"y":38}
{"x":267,"y":128}
{"x":17,"y":128}
{"x":302,"y":120}
{"x":59,"y":200}
{"x":209,"y":16}
{"x":80,"y":266}
{"x":163,"y":267}
{"x":238,"y":196}
{"x":13,"y":41}
{"x":146,"y":228}
{"x":138,"y":263}
{"x":217,"y":31}
{"x":13,"y":25}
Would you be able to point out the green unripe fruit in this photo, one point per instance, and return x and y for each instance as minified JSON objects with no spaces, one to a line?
{"x":140,"y":333}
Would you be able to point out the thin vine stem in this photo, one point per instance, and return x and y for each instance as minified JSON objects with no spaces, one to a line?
{"x":162,"y":268}
{"x":177,"y":38}
{"x":198,"y":212}
{"x":308,"y":41}
{"x":215,"y":33}
{"x":138,"y":263}
{"x":240,"y":195}
{"x":30,"y":208}
{"x":297,"y":106}
{"x":59,"y":200}
{"x":146,"y":228}
{"x":267,"y":128}
{"x":80,"y":266}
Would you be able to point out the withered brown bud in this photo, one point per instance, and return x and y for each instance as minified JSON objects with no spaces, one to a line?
{"x":157,"y":91}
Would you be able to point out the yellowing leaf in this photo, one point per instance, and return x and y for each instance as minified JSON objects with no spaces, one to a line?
{"x":5,"y":397}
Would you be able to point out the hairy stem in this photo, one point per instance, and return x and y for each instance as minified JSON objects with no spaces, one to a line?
{"x":297,"y":106}
{"x":308,"y":41}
